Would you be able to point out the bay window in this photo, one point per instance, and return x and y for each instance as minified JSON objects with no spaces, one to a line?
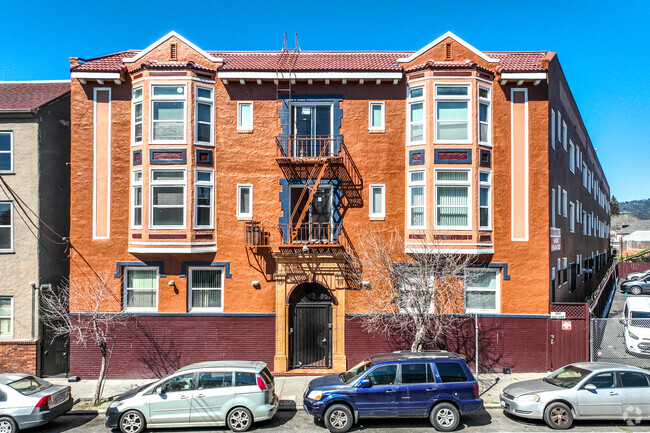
{"x":484,"y":115}
{"x":485,"y":200}
{"x":204,"y":209}
{"x":416,"y":115}
{"x":206,"y":289}
{"x":136,"y":199}
{"x":481,"y":291}
{"x":452,"y":113}
{"x":204,"y":115}
{"x":453,"y":189}
{"x":167,"y":198}
{"x":168,"y":113}
{"x":416,"y":199}
{"x":137,"y":115}
{"x":141,"y":289}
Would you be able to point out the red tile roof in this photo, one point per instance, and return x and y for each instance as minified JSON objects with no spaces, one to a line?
{"x":320,"y":61}
{"x":30,"y":95}
{"x":468,"y":64}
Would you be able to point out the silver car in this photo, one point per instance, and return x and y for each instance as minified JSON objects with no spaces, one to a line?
{"x":584,"y":390}
{"x":215,"y":393}
{"x":28,"y":401}
{"x":637,"y":275}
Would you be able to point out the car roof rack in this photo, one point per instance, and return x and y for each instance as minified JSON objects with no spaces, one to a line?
{"x":400,"y":355}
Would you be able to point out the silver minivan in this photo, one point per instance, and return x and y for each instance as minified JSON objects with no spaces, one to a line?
{"x":206,"y":394}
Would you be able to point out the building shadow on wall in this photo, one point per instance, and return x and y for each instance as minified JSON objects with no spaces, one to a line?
{"x":158,"y":353}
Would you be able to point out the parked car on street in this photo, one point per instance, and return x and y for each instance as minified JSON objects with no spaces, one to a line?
{"x":584,"y":390}
{"x":205,"y":394}
{"x":636,"y":287}
{"x":637,"y":275}
{"x":636,"y":325}
{"x":29,"y":401}
{"x":433,"y":384}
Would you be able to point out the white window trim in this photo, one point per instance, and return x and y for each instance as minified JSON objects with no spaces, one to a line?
{"x":250,"y":201}
{"x":487,"y":184}
{"x":153,"y":183}
{"x":409,"y":102}
{"x":467,"y":99}
{"x":564,"y":135}
{"x":11,"y":319}
{"x":135,"y":184}
{"x":382,"y":126}
{"x":382,"y":214}
{"x":207,"y":101}
{"x":134,"y":102}
{"x":240,"y":126}
{"x":572,"y":157}
{"x":409,"y":185}
{"x":559,"y":123}
{"x":565,"y":203}
{"x":210,"y":185}
{"x":552,"y":128}
{"x":487,"y":101}
{"x":190,"y":289}
{"x":10,"y":151}
{"x":125,"y":271}
{"x":11,"y":227}
{"x":572,"y":219}
{"x":467,"y":183}
{"x":497,"y":290}
{"x":167,"y":98}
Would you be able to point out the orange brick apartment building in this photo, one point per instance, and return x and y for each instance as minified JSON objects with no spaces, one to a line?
{"x":223,"y":191}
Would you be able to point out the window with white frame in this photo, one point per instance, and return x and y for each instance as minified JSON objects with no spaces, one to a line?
{"x":584,"y":175}
{"x":137,"y":115}
{"x":564,"y":135}
{"x":559,"y":200}
{"x":206,"y":289}
{"x":484,"y":115}
{"x":485,"y":200}
{"x":416,"y":115}
{"x":204,"y":115}
{"x":167,"y":198}
{"x":552,"y":207}
{"x":482,"y":291}
{"x":572,"y":157}
{"x":168,"y":112}
{"x":559,"y":126}
{"x":6,"y":226}
{"x":552,"y":128}
{"x":376,"y":116}
{"x":6,"y":316}
{"x":416,"y":199}
{"x":136,"y":199}
{"x":377,"y":201}
{"x":204,"y":206}
{"x":452,"y":199}
{"x":245,"y":116}
{"x":6,"y":152}
{"x":416,"y":290}
{"x":245,"y":201}
{"x":572,"y":217}
{"x":140,"y":289}
{"x":452,"y":113}
{"x":564,"y":203}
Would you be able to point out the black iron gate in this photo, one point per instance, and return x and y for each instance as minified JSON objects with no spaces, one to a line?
{"x":312,"y":335}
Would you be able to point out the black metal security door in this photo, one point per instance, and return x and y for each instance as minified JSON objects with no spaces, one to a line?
{"x":312,"y":335}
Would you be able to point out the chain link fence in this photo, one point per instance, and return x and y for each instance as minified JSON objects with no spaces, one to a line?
{"x":623,"y":342}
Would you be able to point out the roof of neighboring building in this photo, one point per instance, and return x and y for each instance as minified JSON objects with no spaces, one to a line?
{"x":635,"y":226}
{"x":319,"y":61}
{"x":29,"y":95}
{"x":638,"y":236}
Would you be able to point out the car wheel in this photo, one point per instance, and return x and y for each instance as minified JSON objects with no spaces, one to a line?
{"x":240,"y":419}
{"x":636,"y":290}
{"x":444,"y":417}
{"x":132,"y":422}
{"x":338,"y":418}
{"x":7,"y":425}
{"x":558,"y":416}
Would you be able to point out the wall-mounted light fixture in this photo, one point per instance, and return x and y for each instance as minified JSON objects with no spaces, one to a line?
{"x":171,"y":283}
{"x":256,"y":285}
{"x":365,"y":284}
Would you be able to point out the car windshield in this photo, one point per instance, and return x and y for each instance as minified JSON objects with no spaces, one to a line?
{"x":30,"y":385}
{"x":640,"y":319}
{"x":355,"y":371}
{"x":567,"y":377}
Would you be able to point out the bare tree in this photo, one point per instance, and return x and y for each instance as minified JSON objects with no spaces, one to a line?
{"x":97,"y":301}
{"x":415,"y":293}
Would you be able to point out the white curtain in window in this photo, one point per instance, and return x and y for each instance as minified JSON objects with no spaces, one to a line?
{"x":206,"y":288}
{"x":452,"y":120}
{"x":481,"y":290}
{"x":141,"y":288}
{"x":417,"y":125}
{"x":5,"y":316}
{"x":452,"y":205}
{"x":417,"y":206}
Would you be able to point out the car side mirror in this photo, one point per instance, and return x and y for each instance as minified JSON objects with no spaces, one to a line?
{"x":590,"y":387}
{"x":365,"y":383}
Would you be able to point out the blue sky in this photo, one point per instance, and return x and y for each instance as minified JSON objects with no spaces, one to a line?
{"x":602,"y":46}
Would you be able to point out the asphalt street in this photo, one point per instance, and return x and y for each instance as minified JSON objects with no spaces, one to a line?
{"x":491,"y":420}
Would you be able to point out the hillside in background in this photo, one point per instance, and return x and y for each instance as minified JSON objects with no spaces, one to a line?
{"x":638,"y":208}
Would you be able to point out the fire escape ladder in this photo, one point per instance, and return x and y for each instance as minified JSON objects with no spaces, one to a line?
{"x":283,"y":88}
{"x":310,"y":188}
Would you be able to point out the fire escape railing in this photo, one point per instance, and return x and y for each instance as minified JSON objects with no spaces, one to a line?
{"x":309,"y":146}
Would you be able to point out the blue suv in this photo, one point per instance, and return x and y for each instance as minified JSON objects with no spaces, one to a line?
{"x":434,"y":384}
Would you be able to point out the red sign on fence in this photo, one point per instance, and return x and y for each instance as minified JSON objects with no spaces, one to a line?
{"x":566,"y":325}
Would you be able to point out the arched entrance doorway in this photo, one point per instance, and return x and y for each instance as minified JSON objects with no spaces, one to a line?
{"x":310,"y":326}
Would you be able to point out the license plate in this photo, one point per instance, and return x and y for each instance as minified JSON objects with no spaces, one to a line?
{"x":504,"y":404}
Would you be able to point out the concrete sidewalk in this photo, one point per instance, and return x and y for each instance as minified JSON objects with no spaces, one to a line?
{"x":289,"y":389}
